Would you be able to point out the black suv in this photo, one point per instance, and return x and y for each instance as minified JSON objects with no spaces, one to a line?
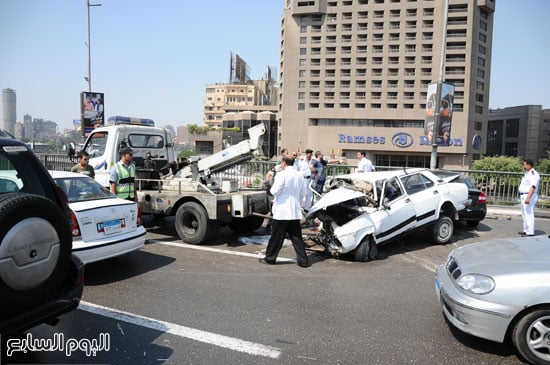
{"x":39,"y":277}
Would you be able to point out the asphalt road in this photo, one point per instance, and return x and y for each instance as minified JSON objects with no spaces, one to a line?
{"x":172,"y":303}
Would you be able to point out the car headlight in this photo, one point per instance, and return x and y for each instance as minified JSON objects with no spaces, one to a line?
{"x":476,"y":283}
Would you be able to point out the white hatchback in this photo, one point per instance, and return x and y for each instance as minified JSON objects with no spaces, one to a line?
{"x":104,"y":225}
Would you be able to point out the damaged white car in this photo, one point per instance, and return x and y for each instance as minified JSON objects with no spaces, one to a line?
{"x":363,"y":210}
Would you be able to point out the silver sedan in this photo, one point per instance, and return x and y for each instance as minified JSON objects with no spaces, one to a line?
{"x":500,"y":290}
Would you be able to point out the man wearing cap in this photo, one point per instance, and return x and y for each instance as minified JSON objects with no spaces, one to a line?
{"x":306,"y":171}
{"x":528,"y":194}
{"x":123,"y":175}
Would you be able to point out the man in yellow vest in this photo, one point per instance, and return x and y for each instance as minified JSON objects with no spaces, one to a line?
{"x":123,"y":175}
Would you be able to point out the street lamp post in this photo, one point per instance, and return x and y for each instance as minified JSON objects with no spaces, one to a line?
{"x":89,"y":78}
{"x":437,"y":110}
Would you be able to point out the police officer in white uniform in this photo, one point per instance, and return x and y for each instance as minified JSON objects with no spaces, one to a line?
{"x":528,"y":193}
{"x":306,"y":171}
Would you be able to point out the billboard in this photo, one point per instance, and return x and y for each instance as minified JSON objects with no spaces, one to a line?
{"x":92,"y":114}
{"x":445,"y":113}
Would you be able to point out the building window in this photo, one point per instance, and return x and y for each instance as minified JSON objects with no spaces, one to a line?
{"x":303,"y":40}
{"x":302,"y":61}
{"x":512,"y":128}
{"x":481,"y":61}
{"x":303,"y":51}
{"x":301,"y":95}
{"x":482,"y":37}
{"x":303,"y":29}
{"x":479,"y":109}
{"x":480,"y":86}
{"x":301,"y":84}
{"x":481,"y":49}
{"x":480,"y":73}
{"x":301,"y":106}
{"x":477,"y":126}
{"x":482,"y":25}
{"x":302,"y":73}
{"x":510,"y":149}
{"x":479,"y":97}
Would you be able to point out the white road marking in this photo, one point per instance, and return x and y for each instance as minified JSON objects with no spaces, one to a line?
{"x":182,"y":331}
{"x":218,"y":250}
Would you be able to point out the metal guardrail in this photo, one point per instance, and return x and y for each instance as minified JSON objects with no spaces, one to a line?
{"x":501,"y":188}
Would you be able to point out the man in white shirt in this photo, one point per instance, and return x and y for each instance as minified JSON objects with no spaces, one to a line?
{"x":306,"y":171}
{"x":364,"y":165}
{"x":528,"y":194}
{"x":288,"y":190}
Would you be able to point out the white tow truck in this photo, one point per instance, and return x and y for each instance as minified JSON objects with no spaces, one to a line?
{"x":184,"y":188}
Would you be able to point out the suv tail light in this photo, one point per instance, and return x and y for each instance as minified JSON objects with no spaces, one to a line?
{"x":482,"y":198}
{"x":75,"y":228}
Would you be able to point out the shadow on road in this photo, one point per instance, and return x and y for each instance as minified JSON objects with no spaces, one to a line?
{"x":123,"y":267}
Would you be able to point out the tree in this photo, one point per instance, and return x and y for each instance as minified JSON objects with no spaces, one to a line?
{"x":543,"y":166}
{"x":498,"y":163}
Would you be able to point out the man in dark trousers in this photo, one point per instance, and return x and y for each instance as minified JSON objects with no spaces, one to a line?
{"x":288,"y":191}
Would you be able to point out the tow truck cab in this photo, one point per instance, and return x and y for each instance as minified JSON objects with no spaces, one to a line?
{"x":152,"y":146}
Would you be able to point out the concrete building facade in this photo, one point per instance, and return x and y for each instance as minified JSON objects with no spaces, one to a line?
{"x":354,"y":76}
{"x":255,"y":96}
{"x":522,"y":131}
{"x":9,"y":109}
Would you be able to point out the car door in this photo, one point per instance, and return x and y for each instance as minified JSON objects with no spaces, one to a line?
{"x":424,"y":196}
{"x":396,"y":214}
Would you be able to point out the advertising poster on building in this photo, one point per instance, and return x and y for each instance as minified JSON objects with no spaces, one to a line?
{"x":91,"y":111}
{"x":445,"y":115}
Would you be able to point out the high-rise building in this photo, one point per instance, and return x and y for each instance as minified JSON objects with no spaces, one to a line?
{"x":355,"y":74}
{"x":522,"y":131}
{"x":9,"y":103}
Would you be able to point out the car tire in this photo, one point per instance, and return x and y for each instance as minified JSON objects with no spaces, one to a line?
{"x":442,"y":230}
{"x":192,"y":223}
{"x":366,"y":250}
{"x":35,"y":250}
{"x":527,"y":333}
{"x":246,"y":225}
{"x":472,"y":224}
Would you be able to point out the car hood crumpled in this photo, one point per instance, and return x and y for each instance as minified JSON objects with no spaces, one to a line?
{"x":333,"y":197}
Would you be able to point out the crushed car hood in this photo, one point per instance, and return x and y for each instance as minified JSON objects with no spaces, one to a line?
{"x":334,"y":197}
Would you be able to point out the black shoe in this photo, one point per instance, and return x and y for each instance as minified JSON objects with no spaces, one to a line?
{"x":522,"y":233}
{"x":265,"y":262}
{"x":307,"y":264}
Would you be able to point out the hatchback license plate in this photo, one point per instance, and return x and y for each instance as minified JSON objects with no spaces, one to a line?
{"x":111,"y":227}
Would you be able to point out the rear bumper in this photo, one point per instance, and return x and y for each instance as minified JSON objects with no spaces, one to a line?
{"x":62,"y":301}
{"x":473,"y":213}
{"x":89,"y":253}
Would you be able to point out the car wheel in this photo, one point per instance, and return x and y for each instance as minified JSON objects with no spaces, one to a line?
{"x":442,"y":230}
{"x":246,"y":225}
{"x":531,"y":336}
{"x":366,"y":250}
{"x":35,"y":249}
{"x":472,"y":224}
{"x":192,"y":223}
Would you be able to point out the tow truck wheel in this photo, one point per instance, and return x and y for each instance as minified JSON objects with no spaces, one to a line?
{"x":442,"y":230}
{"x":246,"y":225}
{"x":192,"y":223}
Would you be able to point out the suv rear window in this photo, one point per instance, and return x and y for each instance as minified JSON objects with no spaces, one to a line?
{"x":21,"y":171}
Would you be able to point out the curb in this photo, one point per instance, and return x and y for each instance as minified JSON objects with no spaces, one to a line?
{"x":515,"y":211}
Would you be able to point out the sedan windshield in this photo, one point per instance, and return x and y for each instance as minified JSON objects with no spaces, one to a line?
{"x":80,"y":189}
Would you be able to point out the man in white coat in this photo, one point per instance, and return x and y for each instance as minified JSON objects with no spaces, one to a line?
{"x":288,"y":191}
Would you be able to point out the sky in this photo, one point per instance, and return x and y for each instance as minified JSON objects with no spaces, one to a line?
{"x":153,"y":59}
